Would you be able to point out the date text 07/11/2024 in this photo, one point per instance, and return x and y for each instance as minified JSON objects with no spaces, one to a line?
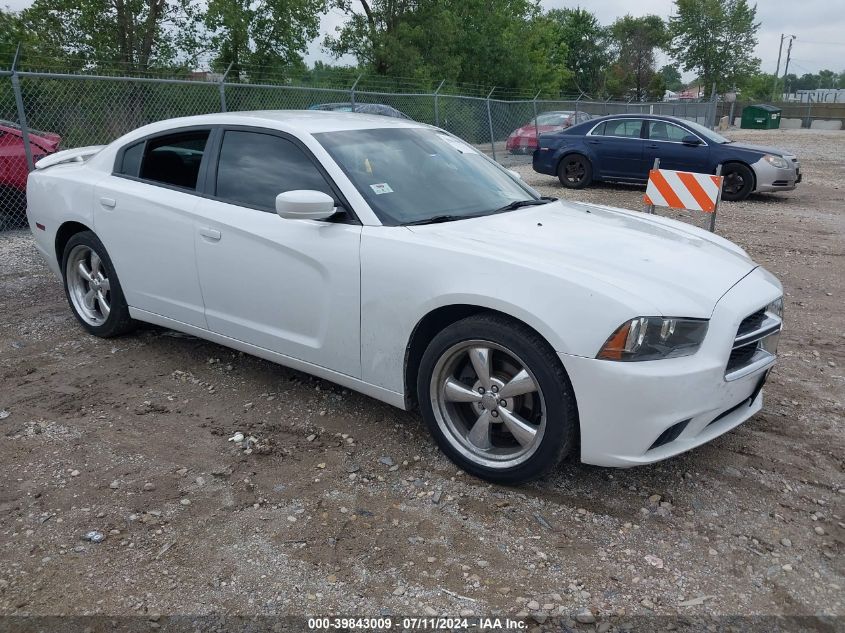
{"x":416,"y":623}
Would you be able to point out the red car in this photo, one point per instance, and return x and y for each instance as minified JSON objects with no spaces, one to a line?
{"x":524,"y":140}
{"x":13,"y":169}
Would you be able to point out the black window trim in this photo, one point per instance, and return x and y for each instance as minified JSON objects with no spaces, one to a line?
{"x":118,"y":159}
{"x":345,"y":215}
{"x":207,"y":177}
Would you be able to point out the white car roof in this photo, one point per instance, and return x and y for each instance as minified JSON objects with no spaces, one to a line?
{"x":301,"y":121}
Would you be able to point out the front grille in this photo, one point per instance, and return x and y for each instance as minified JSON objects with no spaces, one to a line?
{"x":749,"y":344}
{"x":740,"y":357}
{"x":780,"y":183}
{"x":752,"y":322}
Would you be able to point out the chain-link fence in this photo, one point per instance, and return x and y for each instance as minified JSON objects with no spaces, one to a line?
{"x":41,"y":113}
{"x":810,"y":113}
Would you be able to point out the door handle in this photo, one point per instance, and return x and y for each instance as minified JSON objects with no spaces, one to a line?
{"x":209,"y":233}
{"x":109,"y":203}
{"x":593,"y":142}
{"x":653,"y":146}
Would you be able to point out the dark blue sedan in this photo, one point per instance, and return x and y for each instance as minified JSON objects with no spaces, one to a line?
{"x":623,"y":148}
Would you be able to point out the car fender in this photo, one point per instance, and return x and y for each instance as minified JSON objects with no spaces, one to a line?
{"x":56,"y":196}
{"x":425,"y":275}
{"x":574,"y":149}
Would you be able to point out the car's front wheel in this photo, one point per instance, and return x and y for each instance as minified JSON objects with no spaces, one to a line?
{"x":497,"y":399}
{"x":92,"y":287}
{"x":738,"y":182}
{"x":575,"y":171}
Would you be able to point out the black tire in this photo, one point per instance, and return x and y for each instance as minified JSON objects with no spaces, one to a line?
{"x":117,"y":321}
{"x":738,"y":182}
{"x":560,"y":425}
{"x":575,"y":171}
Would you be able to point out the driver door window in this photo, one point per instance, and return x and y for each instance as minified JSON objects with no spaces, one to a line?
{"x":254,"y":168}
{"x":663,"y":131}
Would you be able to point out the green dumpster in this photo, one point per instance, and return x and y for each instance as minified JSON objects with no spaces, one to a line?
{"x":760,"y":117}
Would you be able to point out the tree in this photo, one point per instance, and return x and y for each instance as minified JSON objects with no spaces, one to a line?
{"x":124,"y":34}
{"x":504,"y":43}
{"x":715,"y":39}
{"x":757,"y":87}
{"x":585,"y":44}
{"x":270,"y":35}
{"x":635,"y":40}
{"x":671,"y":77}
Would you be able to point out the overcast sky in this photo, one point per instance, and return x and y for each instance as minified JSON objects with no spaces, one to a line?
{"x":819,"y":25}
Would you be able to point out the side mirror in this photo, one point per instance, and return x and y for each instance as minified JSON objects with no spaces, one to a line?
{"x":515,"y":174}
{"x":690,"y":139}
{"x":304,"y":204}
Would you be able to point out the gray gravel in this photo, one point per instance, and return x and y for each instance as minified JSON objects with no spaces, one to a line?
{"x":344,"y":504}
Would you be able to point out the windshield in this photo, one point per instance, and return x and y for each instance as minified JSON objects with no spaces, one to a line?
{"x":707,"y":133}
{"x":416,"y":174}
{"x":554,"y":118}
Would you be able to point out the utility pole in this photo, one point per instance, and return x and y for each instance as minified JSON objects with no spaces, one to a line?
{"x":777,"y":70}
{"x":792,"y":38}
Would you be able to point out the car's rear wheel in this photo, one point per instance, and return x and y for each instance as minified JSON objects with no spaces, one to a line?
{"x":575,"y":171}
{"x":92,"y":287}
{"x":497,"y":399}
{"x":738,"y":182}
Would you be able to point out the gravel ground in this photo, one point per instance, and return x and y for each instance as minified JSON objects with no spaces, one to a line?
{"x":345,"y":505}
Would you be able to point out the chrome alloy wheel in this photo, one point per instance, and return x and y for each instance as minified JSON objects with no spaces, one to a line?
{"x":88,"y":285}
{"x":488,"y":404}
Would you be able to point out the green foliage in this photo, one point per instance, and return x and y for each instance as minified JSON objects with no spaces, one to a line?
{"x":583,"y":48}
{"x":715,"y":39}
{"x":127,"y":35}
{"x":267,"y":34}
{"x":505,"y":43}
{"x":472,"y":44}
{"x":635,"y":40}
{"x":671,"y":77}
{"x":814,"y":81}
{"x":757,"y":87}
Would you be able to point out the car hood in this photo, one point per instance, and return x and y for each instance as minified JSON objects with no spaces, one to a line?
{"x":762,"y":149}
{"x":672,"y":268}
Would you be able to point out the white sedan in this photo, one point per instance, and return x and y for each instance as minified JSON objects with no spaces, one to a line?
{"x":394,"y":259}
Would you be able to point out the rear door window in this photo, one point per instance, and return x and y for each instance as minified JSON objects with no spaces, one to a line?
{"x":172,"y":160}
{"x":627,"y":128}
{"x":130,"y":164}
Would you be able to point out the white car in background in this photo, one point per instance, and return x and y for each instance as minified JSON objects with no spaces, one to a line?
{"x":392,"y":258}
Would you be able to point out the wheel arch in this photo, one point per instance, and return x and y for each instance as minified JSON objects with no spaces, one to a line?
{"x":66,"y":231}
{"x":739,"y":161}
{"x":434,"y":322}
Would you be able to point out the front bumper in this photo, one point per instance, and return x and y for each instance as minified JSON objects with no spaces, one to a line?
{"x":771,"y":178}
{"x":625,"y":407}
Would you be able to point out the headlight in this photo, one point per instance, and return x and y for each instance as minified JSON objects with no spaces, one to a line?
{"x":775,"y":308}
{"x":776,"y":161}
{"x":651,"y":338}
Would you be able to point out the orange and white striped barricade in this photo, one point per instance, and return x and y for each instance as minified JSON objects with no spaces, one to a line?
{"x":684,"y":190}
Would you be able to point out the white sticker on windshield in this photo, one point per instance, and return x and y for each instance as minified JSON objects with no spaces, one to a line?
{"x":462,"y":147}
{"x":380,"y":188}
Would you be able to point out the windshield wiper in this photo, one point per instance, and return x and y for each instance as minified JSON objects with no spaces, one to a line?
{"x":437,"y":219}
{"x":518,"y":204}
